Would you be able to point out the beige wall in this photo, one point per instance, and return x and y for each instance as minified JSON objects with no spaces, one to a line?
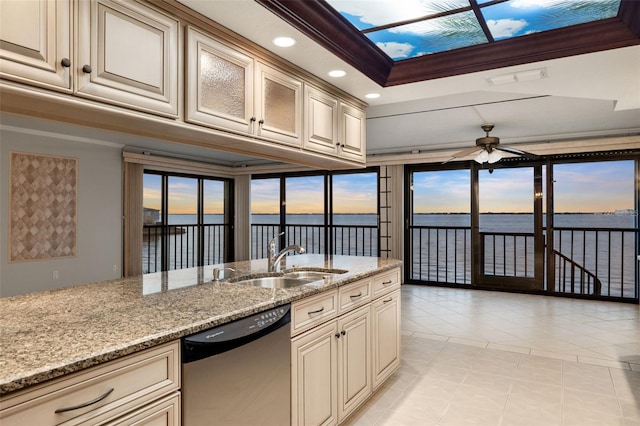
{"x":99,"y":211}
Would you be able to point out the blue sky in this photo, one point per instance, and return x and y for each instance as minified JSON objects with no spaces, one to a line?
{"x":579,"y":187}
{"x":183,"y":194}
{"x":505,"y":20}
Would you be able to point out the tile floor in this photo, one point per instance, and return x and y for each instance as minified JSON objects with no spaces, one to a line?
{"x":492,"y":358}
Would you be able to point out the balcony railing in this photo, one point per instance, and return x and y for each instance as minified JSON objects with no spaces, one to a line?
{"x":600,"y":262}
{"x":610,"y":254}
{"x":186,"y":246}
{"x":353,"y":240}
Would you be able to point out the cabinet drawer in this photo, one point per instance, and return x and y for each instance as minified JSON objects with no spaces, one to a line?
{"x":353,"y":295}
{"x":99,"y":393}
{"x":164,"y":412}
{"x":313,"y":311}
{"x":386,"y":282}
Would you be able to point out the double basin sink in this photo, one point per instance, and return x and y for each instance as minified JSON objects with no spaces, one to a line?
{"x":286,"y":279}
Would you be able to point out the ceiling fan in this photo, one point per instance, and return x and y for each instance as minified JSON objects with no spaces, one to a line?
{"x":488,"y":149}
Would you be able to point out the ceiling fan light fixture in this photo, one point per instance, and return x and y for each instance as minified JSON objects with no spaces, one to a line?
{"x":494,"y":156}
{"x":482,"y":157}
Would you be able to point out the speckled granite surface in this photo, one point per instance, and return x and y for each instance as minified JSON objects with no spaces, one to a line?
{"x":48,"y":334}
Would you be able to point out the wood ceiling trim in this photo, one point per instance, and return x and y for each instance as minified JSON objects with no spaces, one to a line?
{"x":327,"y":27}
{"x":563,"y":42}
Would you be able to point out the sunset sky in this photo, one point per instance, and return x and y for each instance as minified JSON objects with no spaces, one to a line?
{"x":580,"y":187}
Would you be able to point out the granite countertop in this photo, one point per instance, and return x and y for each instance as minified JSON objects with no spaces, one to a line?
{"x":52,"y":333}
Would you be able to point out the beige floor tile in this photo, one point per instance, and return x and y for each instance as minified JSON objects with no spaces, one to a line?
{"x":457,"y":367}
{"x":463,"y":415}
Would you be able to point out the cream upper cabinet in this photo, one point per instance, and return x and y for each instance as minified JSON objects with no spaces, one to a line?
{"x":354,"y":360}
{"x":333,"y":126}
{"x":351,"y":132}
{"x":219,"y":84}
{"x":321,"y":120}
{"x":35,"y":42}
{"x":386,"y":336}
{"x":128,"y":54}
{"x":313,"y":379}
{"x":230,"y":90}
{"x":278,"y":105}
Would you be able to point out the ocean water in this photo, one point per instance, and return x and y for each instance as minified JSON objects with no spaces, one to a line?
{"x":606,"y":244}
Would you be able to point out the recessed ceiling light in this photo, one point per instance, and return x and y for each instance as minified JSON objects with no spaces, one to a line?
{"x":284,"y":41}
{"x":372,"y":95}
{"x":337,"y":73}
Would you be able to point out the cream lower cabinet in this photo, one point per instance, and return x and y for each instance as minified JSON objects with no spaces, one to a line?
{"x":385,"y":314}
{"x":314,"y":380}
{"x":334,"y":363}
{"x":139,"y":389}
{"x":354,"y":360}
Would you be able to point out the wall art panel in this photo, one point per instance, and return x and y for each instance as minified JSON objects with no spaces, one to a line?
{"x":43,"y":207}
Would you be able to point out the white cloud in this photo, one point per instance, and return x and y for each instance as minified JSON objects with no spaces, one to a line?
{"x":376,"y":12}
{"x":522,"y":4}
{"x":396,"y":50}
{"x":505,"y":27}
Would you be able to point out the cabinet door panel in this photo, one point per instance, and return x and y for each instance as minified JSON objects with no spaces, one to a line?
{"x":354,"y":364}
{"x":321,"y":121}
{"x":313,"y":380}
{"x":386,"y":336}
{"x":219,"y":84}
{"x":352,"y":132}
{"x":35,"y":36}
{"x":132,"y":55}
{"x":278,"y":106}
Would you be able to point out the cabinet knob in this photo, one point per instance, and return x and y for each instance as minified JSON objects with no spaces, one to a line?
{"x":65,"y":62}
{"x":343,"y":332}
{"x":252,"y":119}
{"x":337,"y":335}
{"x":261,"y":122}
{"x":86,"y":69}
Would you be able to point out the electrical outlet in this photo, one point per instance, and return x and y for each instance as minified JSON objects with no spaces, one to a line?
{"x":115,"y":268}
{"x":56,"y":275}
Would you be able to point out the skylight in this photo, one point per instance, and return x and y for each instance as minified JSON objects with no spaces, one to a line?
{"x":405,"y":29}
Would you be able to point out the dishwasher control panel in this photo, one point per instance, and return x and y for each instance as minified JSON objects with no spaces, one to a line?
{"x":237,"y":333}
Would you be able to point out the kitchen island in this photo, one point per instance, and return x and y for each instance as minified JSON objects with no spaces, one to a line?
{"x":50,"y":334}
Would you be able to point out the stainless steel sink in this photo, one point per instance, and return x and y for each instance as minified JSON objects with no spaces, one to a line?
{"x":275,"y":282}
{"x":308,"y":275}
{"x":287,"y":279}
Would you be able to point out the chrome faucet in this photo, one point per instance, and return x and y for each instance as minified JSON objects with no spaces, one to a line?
{"x":217,"y":271}
{"x":275,"y":257}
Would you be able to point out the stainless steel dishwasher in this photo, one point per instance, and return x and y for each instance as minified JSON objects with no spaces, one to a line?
{"x":239,"y":373}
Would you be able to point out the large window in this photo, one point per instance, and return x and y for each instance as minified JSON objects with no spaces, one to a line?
{"x":564,"y":225}
{"x":326,"y":213}
{"x":187,"y":221}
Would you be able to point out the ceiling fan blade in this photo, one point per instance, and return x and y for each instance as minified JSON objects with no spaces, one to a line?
{"x":463,"y":153}
{"x":517,"y":152}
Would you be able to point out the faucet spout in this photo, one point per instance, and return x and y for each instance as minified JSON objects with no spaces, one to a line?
{"x":274,"y":263}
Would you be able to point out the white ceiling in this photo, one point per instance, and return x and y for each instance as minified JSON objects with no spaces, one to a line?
{"x":582,"y":96}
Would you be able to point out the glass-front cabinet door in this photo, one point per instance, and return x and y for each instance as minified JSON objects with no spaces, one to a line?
{"x":219,"y":84}
{"x":278,"y":105}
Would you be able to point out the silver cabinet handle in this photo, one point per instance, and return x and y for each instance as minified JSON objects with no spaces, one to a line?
{"x":316,"y":311}
{"x":387,"y":300}
{"x":353,"y":296}
{"x":85,"y":404}
{"x":387,"y":282}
